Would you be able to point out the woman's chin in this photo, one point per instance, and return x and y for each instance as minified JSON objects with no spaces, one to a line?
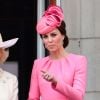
{"x":52,"y":50}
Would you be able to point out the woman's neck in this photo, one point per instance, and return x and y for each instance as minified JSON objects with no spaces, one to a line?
{"x":58,"y":54}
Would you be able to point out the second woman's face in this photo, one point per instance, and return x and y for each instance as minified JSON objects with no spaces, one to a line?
{"x":4,"y":53}
{"x":53,"y":41}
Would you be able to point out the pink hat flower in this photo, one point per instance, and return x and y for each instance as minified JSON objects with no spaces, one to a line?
{"x":51,"y":19}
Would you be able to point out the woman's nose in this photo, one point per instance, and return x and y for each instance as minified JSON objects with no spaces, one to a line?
{"x":49,"y":39}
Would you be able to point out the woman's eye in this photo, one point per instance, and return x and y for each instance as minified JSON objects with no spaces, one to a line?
{"x":6,"y":49}
{"x":53,"y":35}
{"x":44,"y":36}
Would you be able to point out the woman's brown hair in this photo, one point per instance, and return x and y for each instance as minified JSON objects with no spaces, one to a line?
{"x":62,"y":29}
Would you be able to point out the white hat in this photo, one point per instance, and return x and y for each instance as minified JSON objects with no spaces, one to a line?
{"x":8,"y":43}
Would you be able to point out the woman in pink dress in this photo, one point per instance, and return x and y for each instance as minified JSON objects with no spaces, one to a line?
{"x":61,"y":75}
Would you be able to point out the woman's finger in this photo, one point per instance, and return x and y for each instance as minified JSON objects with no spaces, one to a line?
{"x":43,"y":71}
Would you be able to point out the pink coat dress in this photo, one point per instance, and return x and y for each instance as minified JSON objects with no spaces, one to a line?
{"x":70,"y":71}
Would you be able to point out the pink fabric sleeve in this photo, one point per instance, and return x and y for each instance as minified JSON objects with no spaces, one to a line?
{"x":34,"y":93}
{"x":77,"y":91}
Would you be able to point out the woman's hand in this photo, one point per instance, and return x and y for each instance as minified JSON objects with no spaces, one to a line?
{"x":49,"y":77}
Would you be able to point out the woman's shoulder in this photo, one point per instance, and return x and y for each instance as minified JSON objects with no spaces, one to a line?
{"x":40,"y":62}
{"x":9,"y":76}
{"x":44,"y":59}
{"x":79,"y":60}
{"x":77,"y":56}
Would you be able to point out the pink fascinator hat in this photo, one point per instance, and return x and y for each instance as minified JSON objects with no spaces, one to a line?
{"x":51,"y":19}
{"x":8,"y":43}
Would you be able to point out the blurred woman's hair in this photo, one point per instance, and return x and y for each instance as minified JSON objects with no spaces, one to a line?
{"x":62,"y":29}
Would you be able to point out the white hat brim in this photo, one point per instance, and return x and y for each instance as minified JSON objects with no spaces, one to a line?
{"x":8,"y":43}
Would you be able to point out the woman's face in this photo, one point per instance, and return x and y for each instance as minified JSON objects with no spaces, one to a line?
{"x":53,"y":41}
{"x":4,"y":53}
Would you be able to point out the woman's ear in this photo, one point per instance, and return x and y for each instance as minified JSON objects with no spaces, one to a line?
{"x":63,"y":37}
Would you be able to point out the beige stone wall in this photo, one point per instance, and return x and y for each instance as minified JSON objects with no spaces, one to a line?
{"x":83,"y":21}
